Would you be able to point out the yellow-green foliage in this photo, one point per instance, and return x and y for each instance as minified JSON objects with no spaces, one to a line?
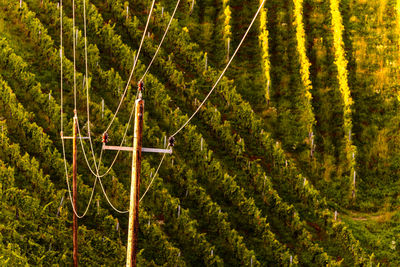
{"x":341,"y":63}
{"x":304,"y":62}
{"x":398,"y":22}
{"x":263,"y":37}
{"x":398,"y":33}
{"x":228,"y":15}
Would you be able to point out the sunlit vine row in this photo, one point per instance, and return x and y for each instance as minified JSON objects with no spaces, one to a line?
{"x":304,"y":67}
{"x":149,"y":82}
{"x":341,"y":64}
{"x":263,"y":37}
{"x":308,"y":190}
{"x":227,"y":32}
{"x":251,"y":124}
{"x":398,"y":33}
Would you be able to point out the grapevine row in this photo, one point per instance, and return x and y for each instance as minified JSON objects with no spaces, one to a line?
{"x":213,"y":118}
{"x":156,"y":232}
{"x":304,"y":68}
{"x":46,"y":44}
{"x":341,"y":64}
{"x":252,"y":125}
{"x":18,"y":112}
{"x":12,"y":59}
{"x":113,"y":6}
{"x":196,"y":237}
{"x":39,"y":205}
{"x":227,"y":32}
{"x":398,"y":31}
{"x":266,"y":65}
{"x":150,"y":85}
{"x":41,"y":185}
{"x":11,"y":252}
{"x":210,"y":210}
{"x":181,"y":226}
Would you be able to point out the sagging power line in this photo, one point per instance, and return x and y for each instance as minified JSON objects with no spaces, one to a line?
{"x":137,"y":110}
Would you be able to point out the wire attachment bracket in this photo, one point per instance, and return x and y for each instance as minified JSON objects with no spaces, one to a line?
{"x":171,"y":141}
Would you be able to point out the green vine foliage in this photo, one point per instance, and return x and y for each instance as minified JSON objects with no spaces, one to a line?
{"x":242,"y":187}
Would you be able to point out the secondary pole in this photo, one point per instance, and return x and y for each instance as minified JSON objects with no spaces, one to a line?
{"x":74,"y":192}
{"x":133,"y":227}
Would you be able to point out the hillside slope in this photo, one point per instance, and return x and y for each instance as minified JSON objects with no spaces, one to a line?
{"x":293,"y":160}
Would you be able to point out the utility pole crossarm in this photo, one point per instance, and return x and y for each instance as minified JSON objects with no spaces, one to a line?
{"x":76,"y":137}
{"x":144,"y":149}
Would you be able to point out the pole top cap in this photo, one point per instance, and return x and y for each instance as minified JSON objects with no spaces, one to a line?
{"x":104,"y":138}
{"x":141,"y":86}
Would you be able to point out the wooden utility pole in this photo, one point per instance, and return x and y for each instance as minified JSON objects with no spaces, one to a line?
{"x":74,"y":138}
{"x":137,"y":149}
{"x":133,"y":226}
{"x":74,"y":193}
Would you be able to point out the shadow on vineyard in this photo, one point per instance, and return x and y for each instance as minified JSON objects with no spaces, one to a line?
{"x":283,"y":117}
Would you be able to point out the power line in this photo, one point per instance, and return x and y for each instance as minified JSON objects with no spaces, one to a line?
{"x":115,"y":158}
{"x":108,"y":200}
{"x":62,"y":127}
{"x":133,"y":68}
{"x":144,"y":194}
{"x":87,"y":90}
{"x":123,"y":96}
{"x":84,"y":152}
{"x":96,"y":166}
{"x":154,"y":176}
{"x":87,"y":98}
{"x":223,"y":72}
{"x":61,"y":70}
{"x":96,"y":174}
{"x":101,"y":153}
{"x":88,"y":108}
{"x":74,"y":54}
{"x":69,"y":188}
{"x":161,"y":42}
